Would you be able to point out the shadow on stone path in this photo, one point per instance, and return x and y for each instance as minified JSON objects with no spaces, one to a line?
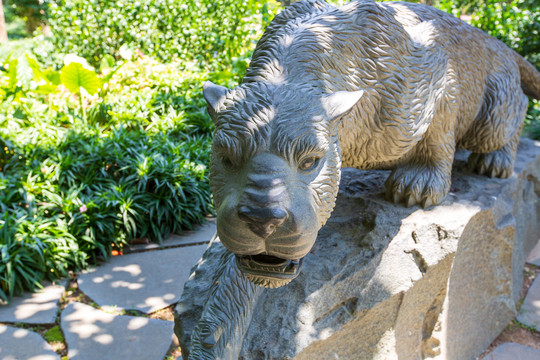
{"x":124,"y":301}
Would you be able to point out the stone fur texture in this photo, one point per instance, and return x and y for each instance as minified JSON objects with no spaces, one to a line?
{"x":367,"y":85}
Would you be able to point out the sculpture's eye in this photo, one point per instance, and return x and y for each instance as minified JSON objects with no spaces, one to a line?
{"x":309,"y":163}
{"x":227,"y":162}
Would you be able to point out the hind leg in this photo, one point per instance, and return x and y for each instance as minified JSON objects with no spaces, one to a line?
{"x":494,"y":134}
{"x":498,"y":163}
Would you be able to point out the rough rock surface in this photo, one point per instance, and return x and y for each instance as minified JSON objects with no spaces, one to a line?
{"x":389,"y":282}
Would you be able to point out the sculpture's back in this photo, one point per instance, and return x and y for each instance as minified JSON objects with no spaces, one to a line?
{"x":416,"y":64}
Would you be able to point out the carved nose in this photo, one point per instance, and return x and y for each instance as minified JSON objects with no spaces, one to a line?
{"x":262,"y":221}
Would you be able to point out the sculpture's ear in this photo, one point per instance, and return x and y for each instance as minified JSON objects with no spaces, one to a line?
{"x":340,"y":103}
{"x":214,"y":95}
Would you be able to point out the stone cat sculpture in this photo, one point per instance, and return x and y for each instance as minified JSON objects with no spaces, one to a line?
{"x":367,"y":85}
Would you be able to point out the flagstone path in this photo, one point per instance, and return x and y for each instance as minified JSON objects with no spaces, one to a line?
{"x":123,"y":294}
{"x":148,"y":278}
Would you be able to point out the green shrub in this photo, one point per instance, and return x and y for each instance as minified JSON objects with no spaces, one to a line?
{"x":516,"y":23}
{"x":90,"y":161}
{"x":81,"y":174}
{"x":207,"y":31}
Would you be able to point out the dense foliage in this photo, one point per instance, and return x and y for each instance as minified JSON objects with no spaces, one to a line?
{"x":207,"y":31}
{"x":80,"y":174}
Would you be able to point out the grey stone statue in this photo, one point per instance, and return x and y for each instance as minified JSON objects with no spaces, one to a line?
{"x":367,"y":85}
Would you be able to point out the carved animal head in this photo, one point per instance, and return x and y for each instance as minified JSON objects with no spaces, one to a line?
{"x":274,"y":172}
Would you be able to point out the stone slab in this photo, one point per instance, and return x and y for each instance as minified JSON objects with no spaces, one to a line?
{"x":93,"y":334}
{"x":513,"y":351}
{"x":21,"y":344}
{"x":201,"y":234}
{"x":33,"y":308}
{"x":529,"y":314}
{"x":534,"y":256}
{"x":146,"y":281}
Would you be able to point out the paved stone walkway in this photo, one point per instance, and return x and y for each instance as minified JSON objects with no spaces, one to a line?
{"x":126,"y":282}
{"x":92,"y":334}
{"x":148,"y":278}
{"x":21,"y":344}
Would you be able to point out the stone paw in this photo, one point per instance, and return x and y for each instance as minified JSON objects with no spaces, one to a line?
{"x":494,"y":164}
{"x":422,"y":185}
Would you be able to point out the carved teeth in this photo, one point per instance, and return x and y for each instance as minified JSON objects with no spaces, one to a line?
{"x":286,"y":266}
{"x":269,"y":275}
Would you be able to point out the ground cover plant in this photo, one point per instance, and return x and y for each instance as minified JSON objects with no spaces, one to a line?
{"x":82,"y":173}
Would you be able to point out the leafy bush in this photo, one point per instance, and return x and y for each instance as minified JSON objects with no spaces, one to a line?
{"x":206,"y":31}
{"x":86,"y":168}
{"x":516,"y":23}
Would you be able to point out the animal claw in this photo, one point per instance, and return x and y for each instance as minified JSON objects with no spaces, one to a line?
{"x":427,"y":202}
{"x":482,"y":168}
{"x":410,"y":201}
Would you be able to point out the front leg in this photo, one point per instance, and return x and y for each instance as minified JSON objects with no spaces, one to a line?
{"x":425,"y":177}
{"x":226,"y":315}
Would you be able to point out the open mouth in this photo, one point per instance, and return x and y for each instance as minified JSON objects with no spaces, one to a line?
{"x":267,"y":270}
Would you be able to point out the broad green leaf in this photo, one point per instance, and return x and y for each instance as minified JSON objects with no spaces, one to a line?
{"x":106,"y":62}
{"x":74,"y":77}
{"x":53,"y":76}
{"x":50,"y":76}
